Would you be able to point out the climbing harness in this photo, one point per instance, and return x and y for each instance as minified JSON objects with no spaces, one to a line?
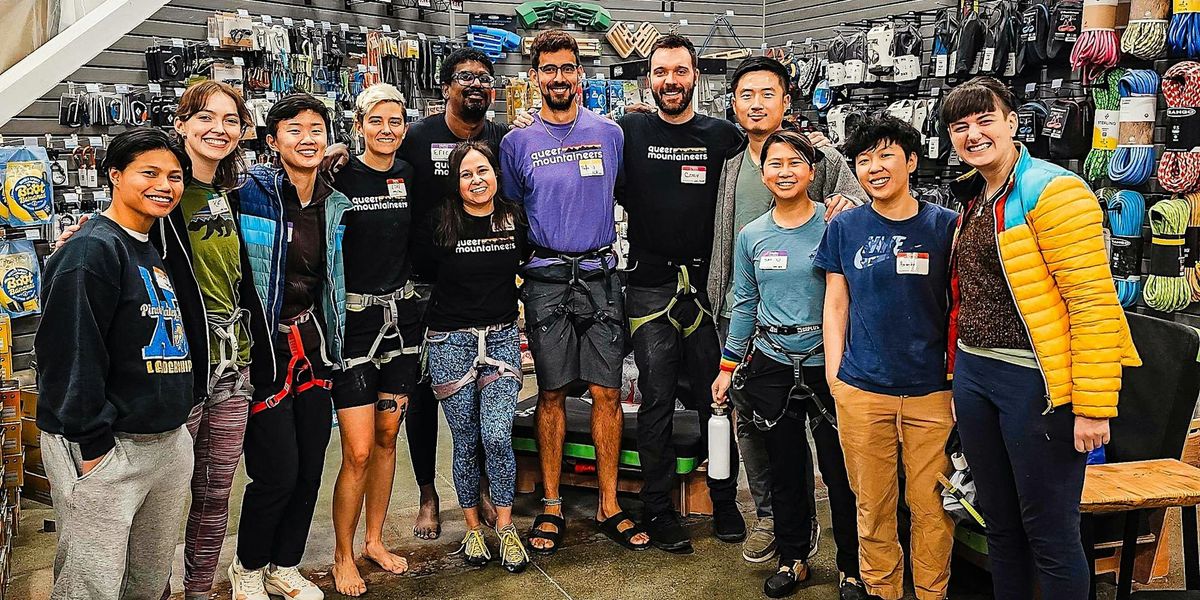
{"x":297,"y":366}
{"x":224,"y":331}
{"x":391,"y":324}
{"x":482,"y":361}
{"x":800,"y":391}
{"x":576,"y":284}
{"x":684,"y":291}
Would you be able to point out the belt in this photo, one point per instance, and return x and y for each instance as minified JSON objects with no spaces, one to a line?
{"x":575,"y":284}
{"x":684,"y":291}
{"x":800,"y":390}
{"x":503,"y":369}
{"x":298,"y":365}
{"x":391,"y":323}
{"x":224,"y":330}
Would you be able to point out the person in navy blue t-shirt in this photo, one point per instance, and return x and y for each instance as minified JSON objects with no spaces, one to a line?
{"x":885,"y":325}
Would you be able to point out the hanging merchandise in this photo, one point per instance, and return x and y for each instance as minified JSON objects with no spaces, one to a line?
{"x":1179,"y":168}
{"x":20,"y":278}
{"x":835,"y":68}
{"x":1031,"y":118}
{"x":1068,"y":127}
{"x":998,"y":55}
{"x":856,"y":59}
{"x":901,"y":109}
{"x":880,"y":60}
{"x":836,"y":119}
{"x":937,"y":138}
{"x":28,"y":192}
{"x":1126,"y":212}
{"x":1066,"y":19}
{"x":1097,"y":47}
{"x":944,"y":31}
{"x":1192,"y":243}
{"x":970,"y":46}
{"x":1133,"y":161}
{"x":920,"y":115}
{"x":1146,"y":36}
{"x":1106,"y":121}
{"x":906,"y":48}
{"x":1167,"y":288}
{"x":1035,"y":34}
{"x":1183,"y":35}
{"x":822,"y":96}
{"x":595,"y":95}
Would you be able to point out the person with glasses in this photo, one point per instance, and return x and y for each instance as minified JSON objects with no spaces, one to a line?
{"x":886,"y":305}
{"x":775,"y":346}
{"x":383,"y":334}
{"x":563,"y":170}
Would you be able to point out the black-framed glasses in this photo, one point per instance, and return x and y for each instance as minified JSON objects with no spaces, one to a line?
{"x":467,"y":78}
{"x":565,"y":69}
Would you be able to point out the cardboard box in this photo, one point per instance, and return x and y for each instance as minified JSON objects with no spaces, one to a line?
{"x":31,"y":436}
{"x":12,"y":438}
{"x":29,"y":398}
{"x":14,"y":471}
{"x":10,"y":401}
{"x":37,"y":488}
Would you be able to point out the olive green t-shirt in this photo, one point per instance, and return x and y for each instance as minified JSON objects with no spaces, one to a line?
{"x":751,"y":200}
{"x":216,"y":261}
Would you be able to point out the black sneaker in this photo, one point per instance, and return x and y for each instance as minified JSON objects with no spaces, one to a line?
{"x":666,"y":533}
{"x":784,"y":581}
{"x":853,"y":589}
{"x":728,"y":523}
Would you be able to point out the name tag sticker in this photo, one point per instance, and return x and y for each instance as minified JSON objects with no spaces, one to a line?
{"x":440,"y":152}
{"x":773,"y":260}
{"x":912,"y":263}
{"x":396,"y":189}
{"x":591,"y":167}
{"x":693,"y":174}
{"x":289,"y":233}
{"x":218,"y":205}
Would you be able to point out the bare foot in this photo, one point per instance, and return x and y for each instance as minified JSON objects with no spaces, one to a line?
{"x":346,"y":578}
{"x":378,"y":554}
{"x":543,"y":543}
{"x":640,"y":539}
{"x":487,"y":511}
{"x":429,"y":524}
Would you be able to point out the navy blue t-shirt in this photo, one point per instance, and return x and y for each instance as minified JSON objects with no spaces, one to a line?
{"x":898,"y":276}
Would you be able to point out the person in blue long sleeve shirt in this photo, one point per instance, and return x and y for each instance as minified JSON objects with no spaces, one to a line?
{"x":776,"y":323}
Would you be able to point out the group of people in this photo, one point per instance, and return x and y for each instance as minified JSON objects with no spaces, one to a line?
{"x":244,"y":307}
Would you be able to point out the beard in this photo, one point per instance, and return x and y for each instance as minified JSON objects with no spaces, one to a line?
{"x":556,"y":105}
{"x":673,"y":110}
{"x":472,"y":107}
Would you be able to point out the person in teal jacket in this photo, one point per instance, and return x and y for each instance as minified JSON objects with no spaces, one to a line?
{"x":291,"y":220}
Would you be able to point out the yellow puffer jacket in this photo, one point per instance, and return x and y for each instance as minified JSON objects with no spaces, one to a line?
{"x":1052,"y":252}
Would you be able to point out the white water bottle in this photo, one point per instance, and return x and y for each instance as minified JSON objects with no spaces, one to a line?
{"x":719,"y":432}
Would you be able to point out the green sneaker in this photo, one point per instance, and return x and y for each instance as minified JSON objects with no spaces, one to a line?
{"x":513,"y":556}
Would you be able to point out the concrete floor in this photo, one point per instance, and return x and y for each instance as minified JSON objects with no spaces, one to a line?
{"x":588,"y":567}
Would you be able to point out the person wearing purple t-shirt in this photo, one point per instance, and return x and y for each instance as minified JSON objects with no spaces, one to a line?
{"x":563,"y":169}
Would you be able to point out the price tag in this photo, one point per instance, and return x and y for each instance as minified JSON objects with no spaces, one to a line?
{"x":807,"y":40}
{"x":267,"y":19}
{"x":596,"y":62}
{"x":522,"y":75}
{"x":491,"y":114}
{"x":412,"y":112}
{"x":93,"y":88}
{"x":373,"y":69}
{"x":683,"y":22}
{"x":71,"y":143}
{"x":71,"y":197}
{"x":347,"y":114}
{"x":239,"y":61}
{"x":934,"y":147}
{"x":788,"y":44}
{"x":989,"y":59}
{"x":96,"y":141}
{"x":387,"y":28}
{"x":155,"y":88}
{"x":214,"y":42}
{"x":1056,"y":83}
{"x":442,"y":39}
{"x":935,"y":91}
{"x":178,"y":43}
{"x":362,"y":68}
{"x":954,"y":160}
{"x":763,"y":46}
{"x":178,"y":92}
{"x":29,"y":141}
{"x":122,"y":88}
{"x":32,"y":234}
{"x":331,"y":95}
{"x":402,"y":33}
{"x":362,"y":29}
{"x":1030,"y":88}
{"x":939,"y":65}
{"x":243,"y":12}
{"x":271,"y":96}
{"x":420,"y":36}
{"x":287,"y":21}
{"x":100,"y":196}
{"x":310,"y":23}
{"x":345,"y":27}
{"x":325,"y":26}
{"x":729,"y":13}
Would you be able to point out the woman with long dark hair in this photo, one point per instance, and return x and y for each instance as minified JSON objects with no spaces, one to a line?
{"x":473,"y":342}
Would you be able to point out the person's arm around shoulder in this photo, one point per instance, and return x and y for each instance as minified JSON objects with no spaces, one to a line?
{"x":841,"y":190}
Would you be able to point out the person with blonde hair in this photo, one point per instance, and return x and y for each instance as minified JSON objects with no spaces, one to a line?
{"x":383,"y":333}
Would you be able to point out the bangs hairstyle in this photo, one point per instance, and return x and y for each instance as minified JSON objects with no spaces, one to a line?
{"x":552,"y":40}
{"x":796,"y":140}
{"x":292,"y":105}
{"x":672,"y":41}
{"x":194,"y":101}
{"x":455,"y":59}
{"x":761,"y":63}
{"x":979,"y":95}
{"x":452,"y":213}
{"x":125,"y":147}
{"x":877,"y":131}
{"x":374,"y":96}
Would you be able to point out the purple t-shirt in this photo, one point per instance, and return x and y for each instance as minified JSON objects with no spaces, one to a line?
{"x":565,"y":178}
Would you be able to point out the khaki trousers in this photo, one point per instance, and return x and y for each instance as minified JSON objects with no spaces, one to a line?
{"x":878,"y":433}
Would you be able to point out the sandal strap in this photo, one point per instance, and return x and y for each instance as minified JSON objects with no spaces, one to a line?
{"x":555,"y":520}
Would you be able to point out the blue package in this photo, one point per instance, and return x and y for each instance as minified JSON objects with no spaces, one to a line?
{"x":20,"y":279}
{"x":595,"y":95}
{"x":28,"y":195}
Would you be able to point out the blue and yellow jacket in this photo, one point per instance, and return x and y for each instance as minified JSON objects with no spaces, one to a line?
{"x":265,"y":238}
{"x":1051,"y":246}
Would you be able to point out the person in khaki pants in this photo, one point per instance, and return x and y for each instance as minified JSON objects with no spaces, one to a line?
{"x":884,"y":324}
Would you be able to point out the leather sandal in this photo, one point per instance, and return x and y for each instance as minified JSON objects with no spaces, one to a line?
{"x":555,"y":537}
{"x":611,"y":528}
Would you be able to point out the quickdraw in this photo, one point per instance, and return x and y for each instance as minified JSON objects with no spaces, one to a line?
{"x":684,"y":291}
{"x":297,"y":366}
{"x":391,"y":324}
{"x":482,"y":360}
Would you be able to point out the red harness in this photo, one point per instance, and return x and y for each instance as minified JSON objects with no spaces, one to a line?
{"x":297,"y":366}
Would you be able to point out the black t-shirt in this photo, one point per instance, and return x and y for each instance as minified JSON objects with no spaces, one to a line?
{"x":111,"y":350}
{"x":475,"y":281}
{"x":375,"y":247}
{"x":670,"y":190}
{"x":427,"y":148}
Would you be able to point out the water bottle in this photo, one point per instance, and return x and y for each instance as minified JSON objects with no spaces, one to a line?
{"x":719,"y":432}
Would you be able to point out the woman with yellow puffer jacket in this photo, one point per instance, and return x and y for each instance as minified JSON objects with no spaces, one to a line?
{"x":1037,"y":343}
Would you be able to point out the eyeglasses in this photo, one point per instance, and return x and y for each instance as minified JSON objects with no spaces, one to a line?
{"x":565,"y":69}
{"x":467,"y":78}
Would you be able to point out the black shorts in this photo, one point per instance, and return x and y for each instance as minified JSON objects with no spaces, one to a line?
{"x":362,"y":328}
{"x":393,"y":367}
{"x":361,"y":385}
{"x":565,"y":351}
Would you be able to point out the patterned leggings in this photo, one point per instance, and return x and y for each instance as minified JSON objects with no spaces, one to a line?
{"x":475,"y":414}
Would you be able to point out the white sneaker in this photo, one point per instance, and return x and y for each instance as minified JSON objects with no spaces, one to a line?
{"x":247,"y":584}
{"x":289,"y":583}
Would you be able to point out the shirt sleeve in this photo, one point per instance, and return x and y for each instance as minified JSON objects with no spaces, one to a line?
{"x":73,"y":360}
{"x":829,"y":255}
{"x":512,"y":176}
{"x":745,"y":305}
{"x":839,"y":179}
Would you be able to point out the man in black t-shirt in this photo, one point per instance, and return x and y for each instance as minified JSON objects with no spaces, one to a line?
{"x":673,"y":161}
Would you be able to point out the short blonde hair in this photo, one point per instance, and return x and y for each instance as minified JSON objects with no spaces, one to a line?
{"x":375,"y":95}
